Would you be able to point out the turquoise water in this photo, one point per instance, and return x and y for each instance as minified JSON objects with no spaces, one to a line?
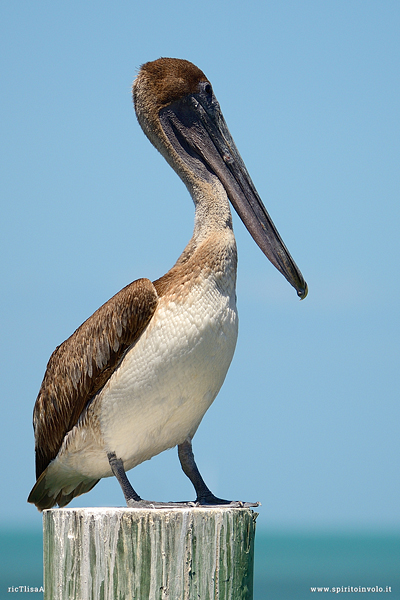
{"x":21,"y":563}
{"x":287,"y":565}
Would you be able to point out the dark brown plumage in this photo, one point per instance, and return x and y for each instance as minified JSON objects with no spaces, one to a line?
{"x":166,"y":80}
{"x":81,"y":365}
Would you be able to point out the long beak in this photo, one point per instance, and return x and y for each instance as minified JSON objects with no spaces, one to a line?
{"x":205,"y":132}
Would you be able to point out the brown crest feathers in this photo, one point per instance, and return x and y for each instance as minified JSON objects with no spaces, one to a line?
{"x":166,"y":80}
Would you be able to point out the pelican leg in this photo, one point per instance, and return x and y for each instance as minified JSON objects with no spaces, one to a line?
{"x":117,"y":467}
{"x":189,"y":467}
{"x":133,"y":500}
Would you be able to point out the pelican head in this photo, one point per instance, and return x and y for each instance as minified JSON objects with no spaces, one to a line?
{"x":178,"y":111}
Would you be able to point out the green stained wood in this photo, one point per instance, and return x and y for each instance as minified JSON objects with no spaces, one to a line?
{"x":149,"y":554}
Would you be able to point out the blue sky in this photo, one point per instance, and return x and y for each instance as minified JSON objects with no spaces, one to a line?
{"x":307,"y":420}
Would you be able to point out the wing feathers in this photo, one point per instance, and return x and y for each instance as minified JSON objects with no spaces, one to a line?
{"x":80,"y":366}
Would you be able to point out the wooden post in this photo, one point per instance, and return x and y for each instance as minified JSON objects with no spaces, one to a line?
{"x":149,"y":554}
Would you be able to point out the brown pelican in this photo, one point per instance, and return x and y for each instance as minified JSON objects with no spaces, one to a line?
{"x":137,"y":377}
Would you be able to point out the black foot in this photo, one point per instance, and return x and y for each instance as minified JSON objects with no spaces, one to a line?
{"x":211,"y":500}
{"x":204,"y":496}
{"x":216,"y":503}
{"x":150,"y":504}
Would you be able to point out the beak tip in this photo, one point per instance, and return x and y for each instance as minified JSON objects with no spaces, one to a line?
{"x":302,"y":292}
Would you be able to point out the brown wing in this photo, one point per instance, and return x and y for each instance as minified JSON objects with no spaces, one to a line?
{"x":80,"y":367}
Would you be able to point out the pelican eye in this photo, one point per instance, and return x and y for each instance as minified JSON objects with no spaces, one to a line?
{"x":205,"y":87}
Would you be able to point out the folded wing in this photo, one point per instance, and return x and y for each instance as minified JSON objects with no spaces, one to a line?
{"x":81,"y":365}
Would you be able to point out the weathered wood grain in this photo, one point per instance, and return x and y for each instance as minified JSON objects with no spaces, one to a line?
{"x":149,"y":554}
